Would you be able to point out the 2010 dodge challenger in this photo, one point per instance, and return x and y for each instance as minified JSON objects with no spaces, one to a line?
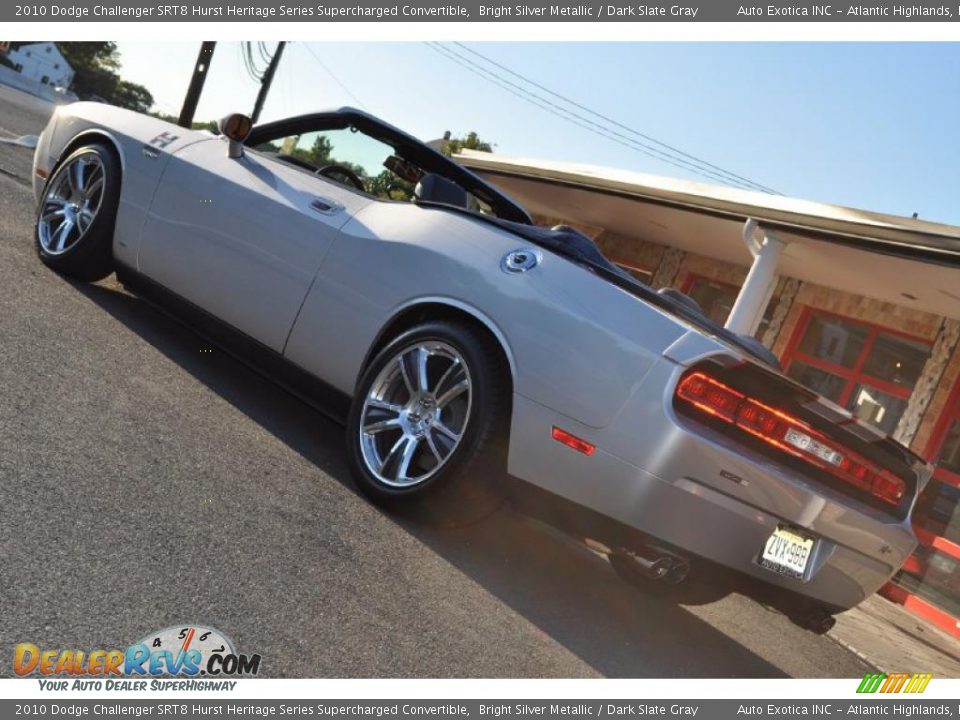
{"x":469,"y":350}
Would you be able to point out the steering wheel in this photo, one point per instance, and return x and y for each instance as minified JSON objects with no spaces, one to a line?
{"x":342,"y":175}
{"x":293,"y":160}
{"x":398,"y":186}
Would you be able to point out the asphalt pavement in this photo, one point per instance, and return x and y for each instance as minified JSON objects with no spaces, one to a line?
{"x":20,"y":114}
{"x":147,"y":480}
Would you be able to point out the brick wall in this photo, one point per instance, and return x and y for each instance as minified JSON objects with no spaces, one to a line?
{"x":630,"y":251}
{"x":588,"y":230}
{"x":938,"y":403}
{"x":699,"y":265}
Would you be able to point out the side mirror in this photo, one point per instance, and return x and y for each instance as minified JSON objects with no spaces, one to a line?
{"x":235,"y":128}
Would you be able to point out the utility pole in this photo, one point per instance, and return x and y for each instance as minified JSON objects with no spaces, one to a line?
{"x":196,"y":84}
{"x":267,"y":81}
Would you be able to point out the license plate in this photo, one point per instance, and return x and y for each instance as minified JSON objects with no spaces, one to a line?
{"x":787,"y":553}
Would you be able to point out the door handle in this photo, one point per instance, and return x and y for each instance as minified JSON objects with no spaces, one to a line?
{"x":326,"y":206}
{"x":151,"y":152}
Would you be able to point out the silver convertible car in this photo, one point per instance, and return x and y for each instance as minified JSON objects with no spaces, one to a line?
{"x":471,"y":353}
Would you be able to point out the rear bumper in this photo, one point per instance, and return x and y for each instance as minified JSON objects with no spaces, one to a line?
{"x":733,"y":534}
{"x":699,"y":494}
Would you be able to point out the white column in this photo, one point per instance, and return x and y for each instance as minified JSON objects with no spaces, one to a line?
{"x":758,"y":287}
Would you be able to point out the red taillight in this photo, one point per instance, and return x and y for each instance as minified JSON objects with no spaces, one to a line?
{"x":572,"y":441}
{"x":710,"y":396}
{"x":790,"y":435}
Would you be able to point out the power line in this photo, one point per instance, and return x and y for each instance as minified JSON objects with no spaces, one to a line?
{"x":266,"y":80}
{"x":335,"y":78}
{"x":584,"y":123}
{"x":695,"y":164}
{"x":246,"y":55}
{"x":613,"y":121}
{"x":264,"y":53}
{"x":578,"y":120}
{"x":670,"y":155}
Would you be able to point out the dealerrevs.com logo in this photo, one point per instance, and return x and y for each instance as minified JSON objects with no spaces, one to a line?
{"x":182,"y":651}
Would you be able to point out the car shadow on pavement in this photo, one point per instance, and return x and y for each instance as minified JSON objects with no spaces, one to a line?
{"x":568,"y":592}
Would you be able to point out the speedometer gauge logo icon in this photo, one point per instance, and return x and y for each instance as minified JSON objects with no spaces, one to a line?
{"x":189,"y":650}
{"x":182,"y":639}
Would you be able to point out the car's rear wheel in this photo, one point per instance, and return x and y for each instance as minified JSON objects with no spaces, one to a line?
{"x":428,"y":428}
{"x":77,"y":214}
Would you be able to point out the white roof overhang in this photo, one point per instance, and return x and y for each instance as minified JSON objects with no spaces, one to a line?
{"x":906,"y":261}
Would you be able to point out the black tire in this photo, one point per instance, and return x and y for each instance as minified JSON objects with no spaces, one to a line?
{"x":467,"y":487}
{"x":90,"y":256}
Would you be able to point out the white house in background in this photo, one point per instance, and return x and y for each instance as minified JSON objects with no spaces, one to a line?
{"x":43,"y":62}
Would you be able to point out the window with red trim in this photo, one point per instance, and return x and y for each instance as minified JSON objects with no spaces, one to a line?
{"x":933,"y":576}
{"x":948,"y":458}
{"x":933,"y":571}
{"x":937,"y":516}
{"x":868,"y":369}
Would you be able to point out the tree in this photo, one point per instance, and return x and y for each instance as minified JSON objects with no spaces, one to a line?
{"x":388,"y":186}
{"x":319,"y":154}
{"x":210,"y":125}
{"x":470,"y":141}
{"x":132,"y":96}
{"x":95,"y":66}
{"x":91,"y":55}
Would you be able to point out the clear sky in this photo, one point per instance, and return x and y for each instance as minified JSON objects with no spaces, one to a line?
{"x":867,"y":125}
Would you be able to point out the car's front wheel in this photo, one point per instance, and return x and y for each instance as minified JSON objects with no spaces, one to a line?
{"x":77,"y":213}
{"x":428,"y":428}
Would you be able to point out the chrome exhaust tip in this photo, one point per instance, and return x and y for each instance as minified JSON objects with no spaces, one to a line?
{"x":678,"y":572}
{"x":653,"y":566}
{"x":653,"y":563}
{"x":657,"y":569}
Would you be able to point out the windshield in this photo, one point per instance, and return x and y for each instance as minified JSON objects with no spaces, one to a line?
{"x":367,"y":155}
{"x":350,"y":157}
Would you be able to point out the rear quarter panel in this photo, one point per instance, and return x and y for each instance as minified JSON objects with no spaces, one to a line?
{"x":576,"y":344}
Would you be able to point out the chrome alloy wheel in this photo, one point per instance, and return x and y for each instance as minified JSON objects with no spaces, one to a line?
{"x":415,"y":414}
{"x":70,"y":203}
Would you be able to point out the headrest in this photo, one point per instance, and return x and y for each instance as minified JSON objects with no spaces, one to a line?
{"x":682,"y":298}
{"x":436,"y":188}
